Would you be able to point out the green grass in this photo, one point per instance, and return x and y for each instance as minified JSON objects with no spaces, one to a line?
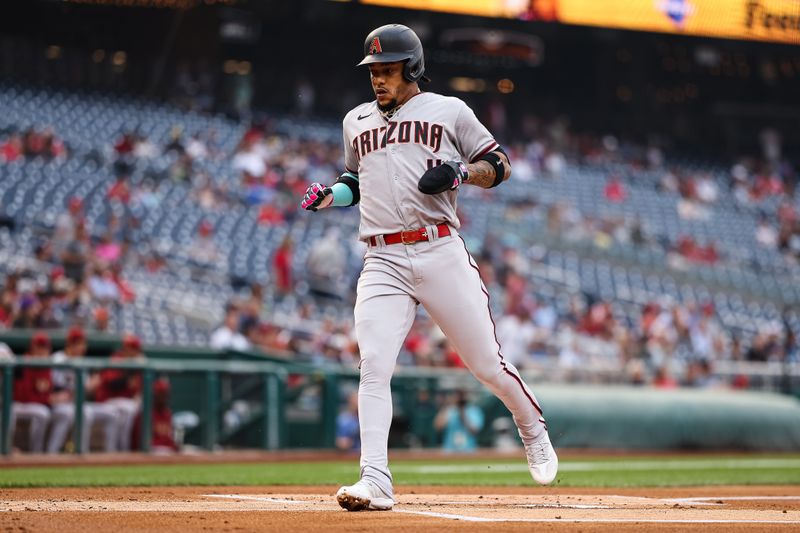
{"x":656,"y":471}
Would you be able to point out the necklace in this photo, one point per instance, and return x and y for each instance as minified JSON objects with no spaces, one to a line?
{"x":390,"y":113}
{"x":393,"y":111}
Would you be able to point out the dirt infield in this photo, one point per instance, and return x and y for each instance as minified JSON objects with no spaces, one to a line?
{"x":231,"y":509}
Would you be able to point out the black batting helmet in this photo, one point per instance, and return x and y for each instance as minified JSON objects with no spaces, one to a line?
{"x":395,"y":42}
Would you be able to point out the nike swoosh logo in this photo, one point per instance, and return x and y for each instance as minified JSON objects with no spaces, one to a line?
{"x":365,"y":116}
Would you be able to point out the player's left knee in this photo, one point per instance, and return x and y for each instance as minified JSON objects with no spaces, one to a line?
{"x":375,"y":371}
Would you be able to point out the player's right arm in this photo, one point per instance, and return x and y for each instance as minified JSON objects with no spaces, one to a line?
{"x":344,"y":192}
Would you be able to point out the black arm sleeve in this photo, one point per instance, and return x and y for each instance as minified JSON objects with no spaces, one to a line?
{"x":499,"y":170}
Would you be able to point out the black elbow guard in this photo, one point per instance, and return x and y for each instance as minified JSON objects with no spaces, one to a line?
{"x":497,"y":164}
{"x":351,"y":180}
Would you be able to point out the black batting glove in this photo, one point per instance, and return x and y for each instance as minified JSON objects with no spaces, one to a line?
{"x":445,"y":177}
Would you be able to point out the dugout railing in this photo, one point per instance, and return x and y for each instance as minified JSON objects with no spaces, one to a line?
{"x":295,"y":405}
{"x":207,"y":396}
{"x":580,"y":415}
{"x":273,"y":386}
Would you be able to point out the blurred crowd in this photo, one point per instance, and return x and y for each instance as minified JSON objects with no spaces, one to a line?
{"x":31,"y":144}
{"x":670,"y":344}
{"x":270,"y":171}
{"x":86,"y":260}
{"x":764,"y":184}
{"x":75,"y":278}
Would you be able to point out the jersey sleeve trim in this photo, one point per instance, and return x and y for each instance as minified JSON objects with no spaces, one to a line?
{"x":492,"y":146}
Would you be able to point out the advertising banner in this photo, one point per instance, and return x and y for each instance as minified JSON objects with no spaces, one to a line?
{"x":762,"y":20}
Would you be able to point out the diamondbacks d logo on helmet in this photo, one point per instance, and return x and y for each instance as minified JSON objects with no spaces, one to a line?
{"x":375,"y":47}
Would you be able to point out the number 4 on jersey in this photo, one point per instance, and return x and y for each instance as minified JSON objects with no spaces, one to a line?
{"x":434,"y":163}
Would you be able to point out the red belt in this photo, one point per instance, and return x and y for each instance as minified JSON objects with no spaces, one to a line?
{"x":411,"y":236}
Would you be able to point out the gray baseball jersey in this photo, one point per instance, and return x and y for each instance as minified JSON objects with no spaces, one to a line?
{"x":391,"y":155}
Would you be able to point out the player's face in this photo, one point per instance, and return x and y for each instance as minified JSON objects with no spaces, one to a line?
{"x":388,"y":84}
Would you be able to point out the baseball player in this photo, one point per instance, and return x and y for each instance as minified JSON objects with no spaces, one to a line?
{"x":33,"y":394}
{"x":122,"y":389}
{"x":94,"y":413}
{"x":406,"y":154}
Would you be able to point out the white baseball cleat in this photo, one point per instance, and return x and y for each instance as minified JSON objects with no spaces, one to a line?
{"x":542,"y":460}
{"x":364,"y":495}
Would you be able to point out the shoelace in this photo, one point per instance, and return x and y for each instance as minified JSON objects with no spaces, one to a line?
{"x":537,"y":453}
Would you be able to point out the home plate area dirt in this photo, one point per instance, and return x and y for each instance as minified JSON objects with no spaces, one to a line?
{"x":729,"y":509}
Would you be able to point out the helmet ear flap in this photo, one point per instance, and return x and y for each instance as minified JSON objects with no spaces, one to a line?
{"x":408,"y":71}
{"x":412,"y":71}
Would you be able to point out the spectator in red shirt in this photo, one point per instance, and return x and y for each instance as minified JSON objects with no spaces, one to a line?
{"x":33,"y":394}
{"x":126,"y":144}
{"x":418,"y":344}
{"x":5,"y":315}
{"x":451,"y":357}
{"x":52,"y":146}
{"x":282,"y":266}
{"x":11,"y":150}
{"x":787,"y":214}
{"x":598,"y":321}
{"x":33,"y":143}
{"x":663,"y":379}
{"x":650,"y":312}
{"x":708,"y":254}
{"x":126,"y":292}
{"x":101,"y":318}
{"x":120,"y":190}
{"x":615,"y":190}
{"x":688,"y":248}
{"x":8,"y":299}
{"x":270,"y":215}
